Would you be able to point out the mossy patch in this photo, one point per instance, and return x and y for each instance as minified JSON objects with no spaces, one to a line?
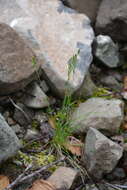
{"x":103,"y":92}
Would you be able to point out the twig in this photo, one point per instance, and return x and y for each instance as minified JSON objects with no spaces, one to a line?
{"x":118,"y":187}
{"x":42,"y":169}
{"x":22,"y":178}
{"x":16,"y":106}
{"x":14,"y":183}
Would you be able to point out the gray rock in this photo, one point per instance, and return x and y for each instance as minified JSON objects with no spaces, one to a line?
{"x":23,"y":115}
{"x":89,"y":8}
{"x":46,"y":32}
{"x":99,"y":113}
{"x":106,"y":51}
{"x":116,"y":174}
{"x":111,"y":82}
{"x":16,"y":128}
{"x":40,"y":117}
{"x":101,"y":155}
{"x":35,"y":97}
{"x":112,"y":19}
{"x":31,"y":134}
{"x":44,"y":86}
{"x":63,"y":177}
{"x":9,"y":143}
{"x":46,"y":131}
{"x":16,"y":69}
{"x":88,"y":87}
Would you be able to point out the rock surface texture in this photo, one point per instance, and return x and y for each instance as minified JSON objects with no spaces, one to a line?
{"x":63,"y":177}
{"x":44,"y":34}
{"x":112,"y":19}
{"x":16,"y":69}
{"x":98,"y":113}
{"x":89,"y":8}
{"x":100,"y":153}
{"x":35,"y":97}
{"x":9,"y":143}
{"x":106,"y":51}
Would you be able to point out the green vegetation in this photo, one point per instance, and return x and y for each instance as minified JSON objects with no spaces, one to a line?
{"x":62,"y":117}
{"x":103,"y":92}
{"x":62,"y":123}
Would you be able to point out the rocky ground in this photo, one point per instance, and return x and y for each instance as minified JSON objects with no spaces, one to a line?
{"x":63,"y":97}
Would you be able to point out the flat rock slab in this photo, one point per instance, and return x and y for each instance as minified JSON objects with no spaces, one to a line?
{"x":63,"y":177}
{"x":9,"y":143}
{"x":112,"y":19}
{"x":101,"y":155}
{"x":57,"y":34}
{"x":16,"y":68}
{"x":99,"y":113}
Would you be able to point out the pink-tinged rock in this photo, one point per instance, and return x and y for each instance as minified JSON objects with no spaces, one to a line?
{"x":57,"y":33}
{"x":16,"y":68}
{"x":63,"y":177}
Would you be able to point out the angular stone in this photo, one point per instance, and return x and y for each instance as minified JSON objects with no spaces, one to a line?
{"x":101,"y":155}
{"x":89,"y":8}
{"x":56,"y":38}
{"x":99,"y":113}
{"x":106,"y":51}
{"x":35,"y":97}
{"x":63,"y":178}
{"x":112,"y":19}
{"x":111,"y":82}
{"x":88,"y":87}
{"x":16,"y":69}
{"x":31,"y":134}
{"x":9,"y":143}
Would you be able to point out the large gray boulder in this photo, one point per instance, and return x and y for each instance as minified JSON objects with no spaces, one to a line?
{"x":101,"y":155}
{"x":16,"y":68}
{"x":106,"y":51}
{"x":57,"y":35}
{"x":112,"y":19}
{"x":88,"y":7}
{"x":99,"y":113}
{"x":9,"y":143}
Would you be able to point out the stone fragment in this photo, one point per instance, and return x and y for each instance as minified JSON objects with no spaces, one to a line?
{"x":106,"y":51}
{"x":16,"y":69}
{"x":23,"y":115}
{"x":63,"y":178}
{"x":112,"y":19}
{"x":9,"y":143}
{"x":35,"y":97}
{"x":101,"y":155}
{"x":99,"y":113}
{"x":89,"y":8}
